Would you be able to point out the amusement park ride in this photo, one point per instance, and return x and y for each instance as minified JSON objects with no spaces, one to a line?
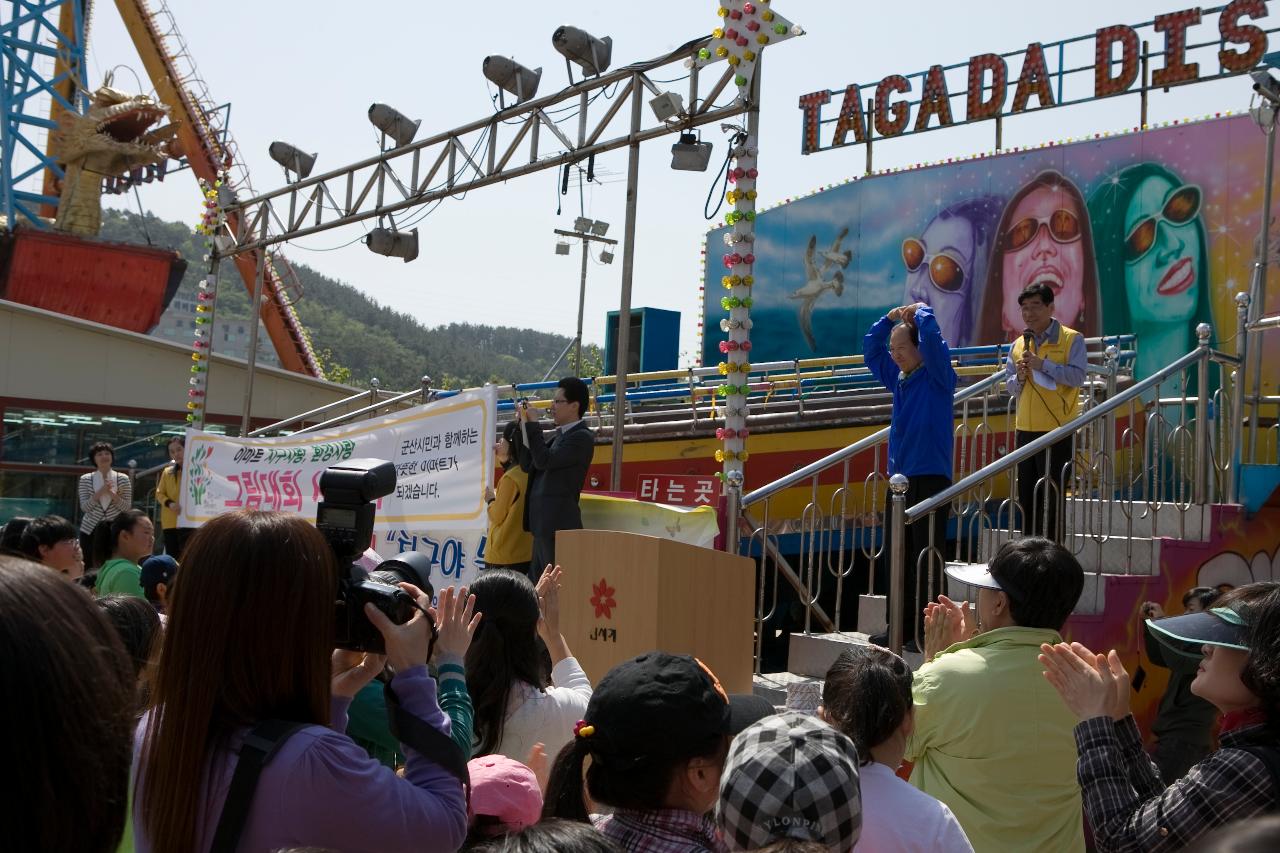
{"x":1173,"y":467}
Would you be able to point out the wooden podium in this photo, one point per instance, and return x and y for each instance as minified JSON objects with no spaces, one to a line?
{"x":624,"y":594}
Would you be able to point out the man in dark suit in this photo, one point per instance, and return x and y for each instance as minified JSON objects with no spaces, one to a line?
{"x":557,"y":466}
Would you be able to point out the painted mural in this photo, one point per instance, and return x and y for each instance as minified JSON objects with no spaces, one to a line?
{"x":1149,"y":232}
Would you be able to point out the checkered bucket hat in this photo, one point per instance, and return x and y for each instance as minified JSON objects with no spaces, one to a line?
{"x":790,"y":776}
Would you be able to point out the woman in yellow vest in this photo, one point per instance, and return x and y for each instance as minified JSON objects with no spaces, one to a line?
{"x":169,"y":497}
{"x":510,"y":546}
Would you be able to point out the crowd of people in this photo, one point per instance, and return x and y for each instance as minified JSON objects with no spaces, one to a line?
{"x":198,"y":700}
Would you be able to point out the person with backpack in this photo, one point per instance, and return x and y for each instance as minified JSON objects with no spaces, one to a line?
{"x":1128,"y":805}
{"x":249,"y":671}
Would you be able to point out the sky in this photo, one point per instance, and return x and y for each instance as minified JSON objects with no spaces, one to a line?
{"x":306,"y":72}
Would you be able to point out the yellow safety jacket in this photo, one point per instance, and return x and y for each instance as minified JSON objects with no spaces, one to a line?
{"x":1041,"y":409}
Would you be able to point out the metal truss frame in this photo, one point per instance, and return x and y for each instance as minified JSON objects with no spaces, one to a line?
{"x":481,"y":153}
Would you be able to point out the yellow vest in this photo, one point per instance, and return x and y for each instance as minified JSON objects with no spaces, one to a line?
{"x":509,"y":542}
{"x":1039,"y":409}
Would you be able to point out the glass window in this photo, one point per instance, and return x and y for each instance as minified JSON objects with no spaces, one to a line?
{"x":50,"y":437}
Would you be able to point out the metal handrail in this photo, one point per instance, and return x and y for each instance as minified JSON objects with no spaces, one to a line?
{"x":881,"y":435}
{"x":1031,"y":448}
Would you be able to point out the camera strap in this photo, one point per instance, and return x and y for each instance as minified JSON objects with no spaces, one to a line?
{"x":427,"y":741}
{"x":259,"y":746}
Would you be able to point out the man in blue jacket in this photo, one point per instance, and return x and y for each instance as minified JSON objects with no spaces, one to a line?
{"x":905,"y":351}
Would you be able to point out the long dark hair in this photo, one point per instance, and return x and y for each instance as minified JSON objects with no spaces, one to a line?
{"x":1259,"y":605}
{"x":867,"y":695}
{"x":991,"y":315}
{"x":503,"y":651}
{"x":515,"y":442}
{"x":69,"y":703}
{"x":138,"y":625}
{"x":249,"y":637}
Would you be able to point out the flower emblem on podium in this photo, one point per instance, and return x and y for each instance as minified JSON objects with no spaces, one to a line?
{"x":602,"y":600}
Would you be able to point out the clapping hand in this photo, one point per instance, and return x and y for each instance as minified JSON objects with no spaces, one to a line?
{"x":455,"y":622}
{"x":945,"y":624}
{"x":548,"y":589}
{"x":1091,"y":685}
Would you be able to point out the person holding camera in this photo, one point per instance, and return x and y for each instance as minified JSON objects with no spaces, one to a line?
{"x":557,"y":467}
{"x":249,"y":674}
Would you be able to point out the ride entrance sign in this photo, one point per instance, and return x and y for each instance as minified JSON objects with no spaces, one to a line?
{"x":443,"y":453}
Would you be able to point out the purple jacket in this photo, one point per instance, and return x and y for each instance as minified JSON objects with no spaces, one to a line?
{"x":322,"y":790}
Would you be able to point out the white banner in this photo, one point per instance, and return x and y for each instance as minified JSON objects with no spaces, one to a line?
{"x":443,"y":453}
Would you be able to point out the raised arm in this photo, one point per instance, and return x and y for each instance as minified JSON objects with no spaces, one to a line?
{"x":573,"y":449}
{"x":934,"y":349}
{"x":875,"y":352}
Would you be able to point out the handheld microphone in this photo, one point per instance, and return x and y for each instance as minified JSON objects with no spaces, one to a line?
{"x":1027,"y":337}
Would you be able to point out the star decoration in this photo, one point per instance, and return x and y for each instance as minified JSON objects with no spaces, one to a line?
{"x":603,"y":600}
{"x":746,"y":28}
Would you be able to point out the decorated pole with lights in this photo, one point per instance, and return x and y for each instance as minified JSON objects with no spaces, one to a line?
{"x":745,"y":29}
{"x":211,"y":220}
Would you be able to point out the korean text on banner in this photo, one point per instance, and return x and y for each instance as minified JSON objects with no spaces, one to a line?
{"x":443,"y":453}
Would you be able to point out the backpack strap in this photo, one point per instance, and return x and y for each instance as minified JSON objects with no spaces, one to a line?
{"x":259,"y":746}
{"x":428,"y":741}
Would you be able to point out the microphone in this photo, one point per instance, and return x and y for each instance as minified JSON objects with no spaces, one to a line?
{"x":1027,"y":337}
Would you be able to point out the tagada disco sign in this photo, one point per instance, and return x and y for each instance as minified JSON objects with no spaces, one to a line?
{"x":1174,"y":49}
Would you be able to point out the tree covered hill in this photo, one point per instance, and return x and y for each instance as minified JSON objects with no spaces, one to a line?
{"x":358,"y":338}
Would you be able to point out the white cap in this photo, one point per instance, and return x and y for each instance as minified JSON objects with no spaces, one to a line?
{"x":973,"y":574}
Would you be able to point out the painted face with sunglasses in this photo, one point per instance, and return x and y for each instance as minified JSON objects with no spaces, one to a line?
{"x":1043,"y":244}
{"x":1162,"y":252}
{"x":940,"y":274}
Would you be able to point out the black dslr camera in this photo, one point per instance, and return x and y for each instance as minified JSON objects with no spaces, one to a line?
{"x":345,"y":517}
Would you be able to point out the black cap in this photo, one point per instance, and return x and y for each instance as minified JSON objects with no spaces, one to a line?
{"x":1186,"y":634}
{"x":155,"y":570}
{"x":664,"y":704}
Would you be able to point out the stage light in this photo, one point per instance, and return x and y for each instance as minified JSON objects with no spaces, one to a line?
{"x":690,"y":155}
{"x":292,"y":159}
{"x":667,"y":106}
{"x":582,"y":225}
{"x":562,"y":247}
{"x":599,"y":228}
{"x":606,"y":257}
{"x":510,"y":76}
{"x":590,"y":53}
{"x":394,"y":124}
{"x":393,"y":244}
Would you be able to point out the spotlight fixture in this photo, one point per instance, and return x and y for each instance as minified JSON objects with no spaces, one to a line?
{"x":689,"y":154}
{"x":599,"y":228}
{"x":606,"y":257}
{"x":393,"y":244}
{"x":510,"y":76}
{"x":562,"y":247}
{"x":1266,"y":85}
{"x":582,"y":224}
{"x":667,"y":106}
{"x":394,"y":124}
{"x":292,"y":159}
{"x":590,"y":53}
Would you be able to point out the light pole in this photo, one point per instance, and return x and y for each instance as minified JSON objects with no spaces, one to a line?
{"x":587,"y":231}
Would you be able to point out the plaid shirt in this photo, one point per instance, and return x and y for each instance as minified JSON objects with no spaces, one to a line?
{"x":1131,"y":809}
{"x":663,"y":831}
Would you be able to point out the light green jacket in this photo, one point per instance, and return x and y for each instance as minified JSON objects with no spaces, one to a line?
{"x":993,"y":740}
{"x":119,"y":575}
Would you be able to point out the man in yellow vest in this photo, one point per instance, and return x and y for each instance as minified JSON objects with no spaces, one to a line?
{"x":1045,"y":370}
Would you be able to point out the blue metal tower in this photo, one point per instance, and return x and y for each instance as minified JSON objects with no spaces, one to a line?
{"x":42,"y":52}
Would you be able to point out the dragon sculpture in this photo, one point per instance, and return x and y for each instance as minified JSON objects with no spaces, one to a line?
{"x":115,"y":136}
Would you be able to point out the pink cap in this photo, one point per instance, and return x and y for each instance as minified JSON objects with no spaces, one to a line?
{"x":505,"y":789}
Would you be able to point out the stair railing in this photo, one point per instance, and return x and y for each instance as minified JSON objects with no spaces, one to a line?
{"x":1155,"y":447}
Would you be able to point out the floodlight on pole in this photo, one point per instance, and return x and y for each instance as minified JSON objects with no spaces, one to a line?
{"x":292,"y":159}
{"x":599,"y":228}
{"x":510,"y":76}
{"x":394,"y":123}
{"x":562,"y":247}
{"x":591,"y":54}
{"x":606,"y":257}
{"x":582,"y":224}
{"x":689,"y":154}
{"x":1266,"y":85}
{"x":393,"y":244}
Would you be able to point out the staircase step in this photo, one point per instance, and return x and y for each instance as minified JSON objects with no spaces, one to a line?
{"x":773,"y":686}
{"x":813,"y":654}
{"x":1122,"y":518}
{"x":1093,"y":597}
{"x":1117,"y":554}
